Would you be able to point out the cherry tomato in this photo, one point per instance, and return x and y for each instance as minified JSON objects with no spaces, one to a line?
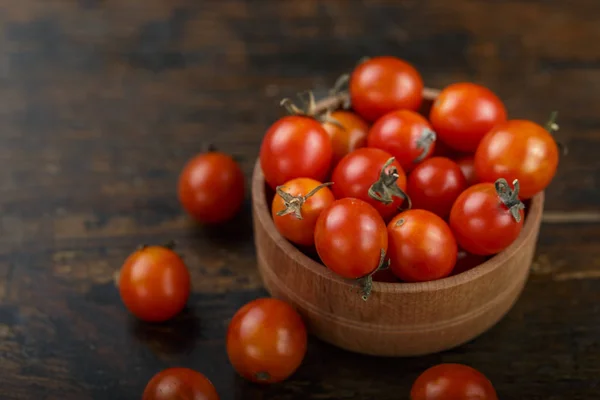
{"x":351,"y":135}
{"x":295,"y":147}
{"x":383,"y":84}
{"x":435,"y":184}
{"x":356,"y":173}
{"x":467,"y":166}
{"x":452,"y":382}
{"x":266,"y":341}
{"x":486,"y":218}
{"x":518,"y":149}
{"x":154,"y":283}
{"x":350,"y":237}
{"x":422,"y":247}
{"x":404,"y":134}
{"x":211,"y":187}
{"x":296,"y":207}
{"x":463,"y":113}
{"x":179,"y":383}
{"x":466,"y":261}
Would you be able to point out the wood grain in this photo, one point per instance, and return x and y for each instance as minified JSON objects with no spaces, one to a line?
{"x":103,"y":101}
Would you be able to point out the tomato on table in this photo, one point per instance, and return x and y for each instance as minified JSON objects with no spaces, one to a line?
{"x":487,"y":217}
{"x":266,"y":340}
{"x":452,"y":382}
{"x":351,"y":240}
{"x":211,"y":187}
{"x":421,"y":246}
{"x":179,"y":383}
{"x":154,"y":283}
{"x":371,"y":175}
{"x":296,"y":146}
{"x":467,"y":166}
{"x":518,"y":149}
{"x":383,"y":84}
{"x":463,"y":113}
{"x":349,"y":135}
{"x":406,"y":135}
{"x":297,"y":205}
{"x":435,"y":184}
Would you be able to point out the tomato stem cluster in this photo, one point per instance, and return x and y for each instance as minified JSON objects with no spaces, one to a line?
{"x":510,"y":197}
{"x":385,"y":188}
{"x":293,"y":204}
{"x":366,"y":282}
{"x":309,"y":109}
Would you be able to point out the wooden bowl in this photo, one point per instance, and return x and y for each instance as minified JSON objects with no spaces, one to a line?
{"x":398,"y":319}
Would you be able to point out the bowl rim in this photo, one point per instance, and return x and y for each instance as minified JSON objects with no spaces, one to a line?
{"x":261,"y":209}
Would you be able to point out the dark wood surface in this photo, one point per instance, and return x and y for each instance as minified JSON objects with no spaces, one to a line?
{"x":102,"y":102}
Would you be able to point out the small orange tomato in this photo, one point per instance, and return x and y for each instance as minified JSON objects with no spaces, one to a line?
{"x":518,"y":149}
{"x":154,"y":283}
{"x":351,"y":135}
{"x":296,"y":207}
{"x":266,"y":341}
{"x":211,"y":187}
{"x":179,"y":383}
{"x":463,"y":113}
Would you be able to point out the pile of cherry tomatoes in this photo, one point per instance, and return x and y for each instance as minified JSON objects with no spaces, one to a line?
{"x":381,"y":192}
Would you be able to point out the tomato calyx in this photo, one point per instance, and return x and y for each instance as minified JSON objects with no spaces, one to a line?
{"x":262,"y":376}
{"x":510,"y":197}
{"x":309,"y":109}
{"x":425,"y":141}
{"x":340,"y":89}
{"x":385,"y":188}
{"x":366,"y":282}
{"x":552,"y":127}
{"x":293,"y":204}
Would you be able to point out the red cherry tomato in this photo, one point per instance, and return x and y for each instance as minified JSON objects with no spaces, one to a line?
{"x":266,"y":341}
{"x":295,"y":147}
{"x":485,"y":220}
{"x":463,"y":113}
{"x":350,"y":237}
{"x":452,"y":382}
{"x":296,"y":207}
{"x":356,"y":173}
{"x":350,"y":136}
{"x":422,"y":247}
{"x":154,"y":284}
{"x":211,"y":187}
{"x":383,"y":84}
{"x":518,"y":149}
{"x":467,"y":166}
{"x":404,"y":134}
{"x":435,"y":184}
{"x":179,"y":383}
{"x":466,"y":261}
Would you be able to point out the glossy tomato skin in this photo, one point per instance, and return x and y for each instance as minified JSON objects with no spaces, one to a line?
{"x":435,"y":184}
{"x":481,"y":223}
{"x":352,"y":136}
{"x":154,"y":284}
{"x":463,"y":113}
{"x":301,"y":231}
{"x":383,"y":84}
{"x":467,"y":166}
{"x":179,"y":383}
{"x":398,"y":133}
{"x":357,"y":171}
{"x":295,"y":147}
{"x":349,"y":238}
{"x":266,"y":341}
{"x":211,"y":187}
{"x":421,"y":246}
{"x":452,"y":382}
{"x":518,"y":149}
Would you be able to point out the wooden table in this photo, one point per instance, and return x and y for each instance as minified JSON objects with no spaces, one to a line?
{"x":102,"y":102}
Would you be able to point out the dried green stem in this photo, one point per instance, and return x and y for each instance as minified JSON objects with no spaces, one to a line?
{"x":385,"y":188}
{"x":510,"y":197}
{"x":293,"y":204}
